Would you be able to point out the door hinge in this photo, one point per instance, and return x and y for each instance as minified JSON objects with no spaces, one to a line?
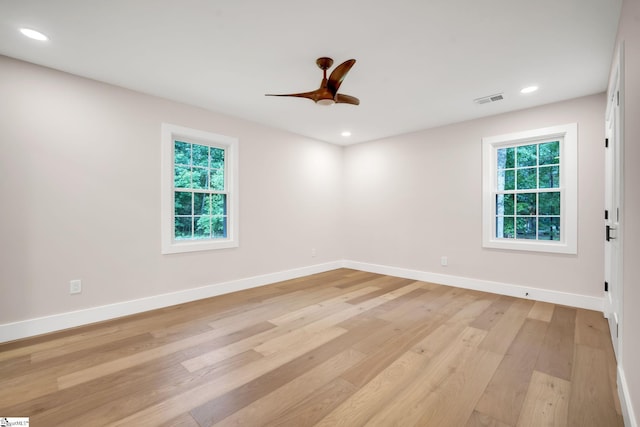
{"x":617,"y":330}
{"x":618,"y":97}
{"x":606,"y":214}
{"x":606,"y":286}
{"x":606,"y":143}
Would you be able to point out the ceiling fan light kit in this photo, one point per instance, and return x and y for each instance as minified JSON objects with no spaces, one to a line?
{"x":327,"y":93}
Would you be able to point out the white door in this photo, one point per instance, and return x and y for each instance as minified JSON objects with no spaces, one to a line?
{"x":612,"y":269}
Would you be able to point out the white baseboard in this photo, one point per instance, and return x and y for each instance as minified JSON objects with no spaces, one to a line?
{"x":546,"y":295}
{"x":628,"y":413}
{"x":57,"y":322}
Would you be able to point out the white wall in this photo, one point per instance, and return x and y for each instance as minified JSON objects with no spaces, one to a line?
{"x":80,"y":191}
{"x":414,"y":198}
{"x":629,"y":33}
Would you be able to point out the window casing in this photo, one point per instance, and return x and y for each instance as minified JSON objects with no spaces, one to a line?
{"x":530,"y":190}
{"x":199,"y":190}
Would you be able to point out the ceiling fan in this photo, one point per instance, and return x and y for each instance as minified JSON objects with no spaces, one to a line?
{"x":327,"y":93}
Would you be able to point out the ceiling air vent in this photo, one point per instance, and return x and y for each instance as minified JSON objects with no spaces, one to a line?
{"x":490,"y":98}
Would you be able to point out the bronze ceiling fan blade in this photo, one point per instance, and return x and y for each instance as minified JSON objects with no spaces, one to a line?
{"x":346,"y":99}
{"x":314,"y":95}
{"x":338,"y":75}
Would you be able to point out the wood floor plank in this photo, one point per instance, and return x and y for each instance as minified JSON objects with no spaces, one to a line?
{"x":452,"y":327}
{"x":315,"y":407}
{"x":308,"y":310}
{"x":556,"y":352}
{"x":89,"y":337}
{"x":223,"y":406}
{"x":97,"y":371}
{"x":135,"y":389}
{"x":444,"y":374}
{"x":291,"y":332}
{"x":176,"y":405}
{"x":184,"y":420}
{"x":291,"y":337}
{"x":384,"y":288}
{"x":464,"y":386}
{"x":276,"y":403}
{"x":590,"y":403}
{"x":505,"y":394}
{"x":493,"y":313}
{"x":404,"y":340}
{"x":212,"y":357}
{"x":541,"y":311}
{"x":394,"y":304}
{"x":478,"y":419}
{"x":591,"y":329}
{"x":505,"y":329}
{"x":430,"y":301}
{"x":546,"y":403}
{"x":359,"y":407}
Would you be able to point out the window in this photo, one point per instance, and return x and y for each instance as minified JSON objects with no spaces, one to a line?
{"x":530,"y":190}
{"x":199,"y":190}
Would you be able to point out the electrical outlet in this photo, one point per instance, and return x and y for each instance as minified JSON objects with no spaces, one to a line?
{"x":313,"y":252}
{"x":444,"y":261}
{"x":75,"y":286}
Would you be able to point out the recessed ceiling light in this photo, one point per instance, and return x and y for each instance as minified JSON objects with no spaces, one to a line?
{"x":529,"y":89}
{"x":346,"y":133}
{"x":33,"y":34}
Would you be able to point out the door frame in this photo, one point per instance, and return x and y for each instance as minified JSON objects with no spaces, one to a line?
{"x":614,"y":191}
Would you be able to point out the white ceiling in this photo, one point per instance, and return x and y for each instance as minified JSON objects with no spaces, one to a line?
{"x":420,"y":63}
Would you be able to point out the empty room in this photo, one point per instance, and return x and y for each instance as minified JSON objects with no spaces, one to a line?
{"x":362,"y":213}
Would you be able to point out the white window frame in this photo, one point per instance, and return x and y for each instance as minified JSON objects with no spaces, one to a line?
{"x":169,"y":133}
{"x":568,"y":136}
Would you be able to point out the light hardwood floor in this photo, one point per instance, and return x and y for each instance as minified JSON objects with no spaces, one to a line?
{"x":342,"y":348}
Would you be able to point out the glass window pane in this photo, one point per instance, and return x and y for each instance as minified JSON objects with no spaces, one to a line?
{"x":506,"y":158}
{"x":182,"y":203}
{"x":549,"y":228}
{"x":527,"y":178}
{"x":527,"y":155}
{"x":506,"y":180}
{"x":203,"y":227}
{"x":200,"y":204}
{"x":219,"y":224}
{"x":549,"y":203}
{"x":504,"y":227}
{"x":218,"y":204}
{"x":200,"y":178}
{"x":182,"y":177}
{"x":526,"y":204}
{"x":183,"y":227}
{"x":549,"y":153}
{"x":216,"y":179}
{"x":549,"y":177}
{"x":201,"y":155}
{"x":505,"y":204}
{"x":181,"y":153}
{"x":217,"y":158}
{"x":525,"y":228}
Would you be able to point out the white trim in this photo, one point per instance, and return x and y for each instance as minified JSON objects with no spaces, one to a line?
{"x":168,"y":133}
{"x":56,"y":322}
{"x":41,"y":325}
{"x":545,"y":295}
{"x":626,"y":404}
{"x":568,"y":186}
